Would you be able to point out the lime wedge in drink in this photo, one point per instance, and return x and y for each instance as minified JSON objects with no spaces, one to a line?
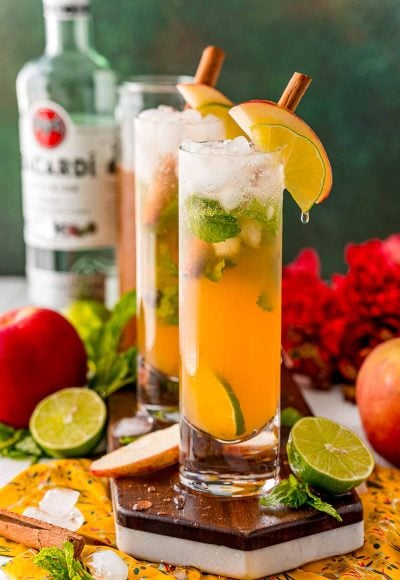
{"x":212,"y":406}
{"x":69,"y":423}
{"x":327,"y":455}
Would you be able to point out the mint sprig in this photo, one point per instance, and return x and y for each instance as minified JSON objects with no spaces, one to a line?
{"x":18,"y":444}
{"x":61,"y":564}
{"x":294,"y":493}
{"x":207,"y":219}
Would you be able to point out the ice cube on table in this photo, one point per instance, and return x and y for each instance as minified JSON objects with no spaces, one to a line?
{"x":59,"y":501}
{"x":72,"y":521}
{"x":133,"y":426}
{"x":106,"y":564}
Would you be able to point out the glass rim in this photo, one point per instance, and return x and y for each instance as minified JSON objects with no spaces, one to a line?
{"x":153,"y":83}
{"x":179,"y":121}
{"x":211,"y":151}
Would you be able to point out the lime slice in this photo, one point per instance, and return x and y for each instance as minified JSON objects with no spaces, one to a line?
{"x":327,"y":455}
{"x":308,"y":173}
{"x":211,"y":405}
{"x":221,"y":111}
{"x":69,"y":423}
{"x":305,"y":170}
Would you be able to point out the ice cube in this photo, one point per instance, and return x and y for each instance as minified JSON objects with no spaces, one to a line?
{"x":239,"y":145}
{"x":133,"y":426}
{"x":251,"y":234}
{"x":227,"y":249}
{"x":106,"y":564}
{"x":191,"y":116}
{"x":59,"y":501}
{"x":73,"y":521}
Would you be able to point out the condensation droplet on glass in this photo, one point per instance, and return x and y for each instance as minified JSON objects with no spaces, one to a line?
{"x":305,"y":217}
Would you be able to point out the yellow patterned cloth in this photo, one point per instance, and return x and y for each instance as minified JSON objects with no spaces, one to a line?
{"x":378,"y":558}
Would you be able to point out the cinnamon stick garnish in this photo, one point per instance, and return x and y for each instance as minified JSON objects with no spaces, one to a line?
{"x":37,"y":534}
{"x":294,"y":91}
{"x":210,"y":66}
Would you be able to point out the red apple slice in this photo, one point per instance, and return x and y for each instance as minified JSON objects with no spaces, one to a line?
{"x":209,"y":101}
{"x":308,"y":173}
{"x":149,"y":453}
{"x":197,"y":95}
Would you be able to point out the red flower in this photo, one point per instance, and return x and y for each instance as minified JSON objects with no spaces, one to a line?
{"x":305,"y":304}
{"x":329,"y":329}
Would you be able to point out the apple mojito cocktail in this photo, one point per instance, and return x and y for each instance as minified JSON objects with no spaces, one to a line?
{"x":230,"y":315}
{"x":230,"y":284}
{"x":158,"y":135}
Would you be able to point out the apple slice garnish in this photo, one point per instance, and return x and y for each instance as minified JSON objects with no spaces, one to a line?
{"x":209,"y":101}
{"x":149,"y":453}
{"x":308,"y":173}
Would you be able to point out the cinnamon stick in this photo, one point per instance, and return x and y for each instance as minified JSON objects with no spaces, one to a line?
{"x":210,"y":66}
{"x":294,"y":91}
{"x":37,"y":534}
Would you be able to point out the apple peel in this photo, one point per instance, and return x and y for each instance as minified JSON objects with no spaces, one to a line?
{"x":149,"y":453}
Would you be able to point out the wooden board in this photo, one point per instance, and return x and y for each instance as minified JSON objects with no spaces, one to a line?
{"x":236,"y":523}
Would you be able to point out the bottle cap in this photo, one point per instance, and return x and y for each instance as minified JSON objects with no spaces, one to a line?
{"x":67,"y":6}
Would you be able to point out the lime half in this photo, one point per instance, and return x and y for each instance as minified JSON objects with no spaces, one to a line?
{"x":69,"y":423}
{"x":327,"y":455}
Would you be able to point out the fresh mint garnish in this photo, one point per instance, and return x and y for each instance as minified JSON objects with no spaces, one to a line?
{"x":168,"y":304}
{"x":290,"y":416}
{"x":18,"y":444}
{"x":61,"y":564}
{"x":264,"y":303}
{"x":294,"y":494}
{"x":207,"y":220}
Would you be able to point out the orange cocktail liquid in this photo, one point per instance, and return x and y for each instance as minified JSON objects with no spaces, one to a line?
{"x":230,"y":322}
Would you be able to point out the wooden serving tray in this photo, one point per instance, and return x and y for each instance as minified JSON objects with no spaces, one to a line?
{"x":230,"y":537}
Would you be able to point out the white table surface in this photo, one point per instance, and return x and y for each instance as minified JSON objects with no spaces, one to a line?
{"x":330,"y":404}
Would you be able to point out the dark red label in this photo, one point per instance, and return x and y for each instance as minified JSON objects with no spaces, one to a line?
{"x":48,"y":127}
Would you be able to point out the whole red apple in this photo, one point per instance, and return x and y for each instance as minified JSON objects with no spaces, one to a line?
{"x":40,"y":353}
{"x":378,"y":398}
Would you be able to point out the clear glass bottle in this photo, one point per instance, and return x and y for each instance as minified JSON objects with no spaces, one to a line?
{"x":66,"y":101}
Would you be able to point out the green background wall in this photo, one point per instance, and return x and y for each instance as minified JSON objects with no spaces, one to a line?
{"x":350,"y":47}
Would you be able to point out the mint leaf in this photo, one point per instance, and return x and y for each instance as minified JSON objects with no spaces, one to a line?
{"x":288,"y":492}
{"x":111,"y":333}
{"x":290,"y":416}
{"x":214,"y":269}
{"x":166,"y":265}
{"x":207,"y":219}
{"x":168,"y":217}
{"x":254,"y":210}
{"x":168,"y":304}
{"x":264,"y":303}
{"x":6,"y":433}
{"x":18,"y":443}
{"x":28,"y":446}
{"x":294,"y":493}
{"x":126,"y":439}
{"x":317,"y":503}
{"x":61,"y":564}
{"x":113,"y":371}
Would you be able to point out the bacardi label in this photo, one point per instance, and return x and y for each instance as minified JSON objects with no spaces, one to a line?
{"x":68,"y":180}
